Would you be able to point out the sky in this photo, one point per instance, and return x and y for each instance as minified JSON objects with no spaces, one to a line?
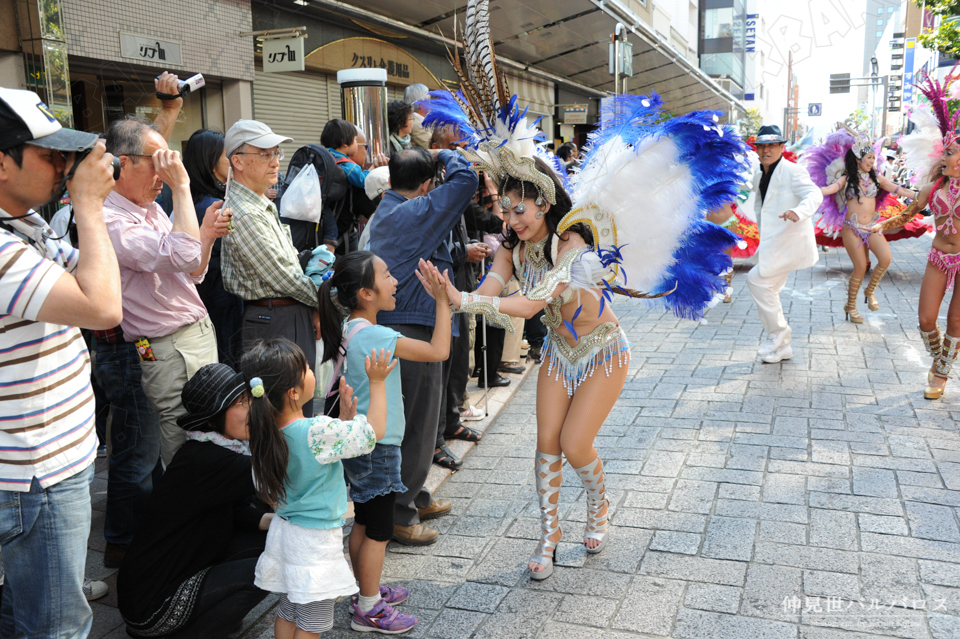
{"x":826,"y":36}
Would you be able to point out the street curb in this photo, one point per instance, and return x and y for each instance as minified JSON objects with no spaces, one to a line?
{"x":498,"y":398}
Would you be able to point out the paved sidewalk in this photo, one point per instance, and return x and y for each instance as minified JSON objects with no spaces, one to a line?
{"x":814,"y":499}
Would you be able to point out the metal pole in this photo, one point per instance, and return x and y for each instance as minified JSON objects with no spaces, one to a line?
{"x":886,"y":91}
{"x":486,"y":364}
{"x":618,"y":56}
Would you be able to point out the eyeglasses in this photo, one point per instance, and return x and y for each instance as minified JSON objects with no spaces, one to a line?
{"x":266,"y":155}
{"x":243,"y":400}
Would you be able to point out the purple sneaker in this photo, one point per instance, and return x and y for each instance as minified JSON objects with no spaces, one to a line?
{"x":393,"y":595}
{"x":382,"y":618}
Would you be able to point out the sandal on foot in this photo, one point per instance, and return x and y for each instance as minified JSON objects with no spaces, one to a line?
{"x":447,"y":459}
{"x":549,"y":522}
{"x":593,"y":479}
{"x":466,"y":434}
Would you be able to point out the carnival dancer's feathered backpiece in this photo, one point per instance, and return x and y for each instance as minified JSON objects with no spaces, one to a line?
{"x":642,"y":186}
{"x":936,"y":121}
{"x":826,"y":163}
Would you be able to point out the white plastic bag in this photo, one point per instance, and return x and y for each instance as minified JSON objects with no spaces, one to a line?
{"x":302,"y":200}
{"x":323,"y":372}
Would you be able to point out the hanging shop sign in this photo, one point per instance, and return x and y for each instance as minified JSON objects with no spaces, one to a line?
{"x":283,"y":54}
{"x":575,"y":114}
{"x":149,"y":49}
{"x":371,"y":53}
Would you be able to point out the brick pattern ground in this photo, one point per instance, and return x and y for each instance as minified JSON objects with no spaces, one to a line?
{"x":814,"y":499}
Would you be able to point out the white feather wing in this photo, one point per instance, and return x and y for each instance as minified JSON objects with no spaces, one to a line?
{"x":649,"y":195}
{"x":922,"y":149}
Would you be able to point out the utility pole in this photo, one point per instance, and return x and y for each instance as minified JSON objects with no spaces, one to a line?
{"x":789,"y":90}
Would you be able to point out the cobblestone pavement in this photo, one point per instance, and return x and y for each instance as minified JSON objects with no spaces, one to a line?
{"x":814,"y":499}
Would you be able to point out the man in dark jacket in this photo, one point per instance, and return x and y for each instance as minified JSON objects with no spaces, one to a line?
{"x":413,"y":222}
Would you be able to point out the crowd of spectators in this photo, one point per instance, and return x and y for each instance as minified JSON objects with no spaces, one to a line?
{"x":170,"y":285}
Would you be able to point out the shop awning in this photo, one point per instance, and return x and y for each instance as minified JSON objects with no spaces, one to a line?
{"x":567,"y":41}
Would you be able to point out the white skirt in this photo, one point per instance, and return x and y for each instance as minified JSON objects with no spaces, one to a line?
{"x":305,"y":563}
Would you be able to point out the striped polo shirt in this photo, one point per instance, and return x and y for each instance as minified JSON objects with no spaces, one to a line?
{"x":46,"y":401}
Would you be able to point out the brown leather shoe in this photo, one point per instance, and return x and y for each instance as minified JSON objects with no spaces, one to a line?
{"x":113,"y":555}
{"x":416,"y":535}
{"x":438,"y":508}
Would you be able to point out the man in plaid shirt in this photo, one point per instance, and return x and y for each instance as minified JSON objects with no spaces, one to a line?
{"x":258,"y":260}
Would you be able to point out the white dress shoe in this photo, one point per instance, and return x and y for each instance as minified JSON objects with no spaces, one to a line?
{"x":782,"y":353}
{"x":775,"y":341}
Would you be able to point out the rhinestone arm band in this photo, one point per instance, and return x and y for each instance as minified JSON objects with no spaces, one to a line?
{"x":496,"y":276}
{"x":488,"y":306}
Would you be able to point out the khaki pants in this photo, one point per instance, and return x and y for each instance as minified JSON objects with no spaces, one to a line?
{"x":179,"y":357}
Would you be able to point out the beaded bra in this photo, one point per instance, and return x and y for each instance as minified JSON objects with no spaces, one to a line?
{"x":538,"y":278}
{"x":945,"y":206}
{"x":868,"y":188}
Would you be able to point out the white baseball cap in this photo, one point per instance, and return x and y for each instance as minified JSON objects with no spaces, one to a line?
{"x":376,"y":182}
{"x":25,"y":119}
{"x":253,"y":133}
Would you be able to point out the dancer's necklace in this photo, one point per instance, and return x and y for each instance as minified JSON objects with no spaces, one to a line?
{"x":535,"y":263}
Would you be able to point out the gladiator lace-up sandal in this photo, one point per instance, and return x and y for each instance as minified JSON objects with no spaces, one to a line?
{"x":598,"y":508}
{"x":868,"y":297}
{"x":851,"y":308}
{"x":549,"y":497}
{"x":932,"y":342}
{"x":948,"y":355}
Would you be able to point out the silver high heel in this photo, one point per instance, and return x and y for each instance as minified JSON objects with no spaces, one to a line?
{"x":549,"y":497}
{"x":593,"y":479}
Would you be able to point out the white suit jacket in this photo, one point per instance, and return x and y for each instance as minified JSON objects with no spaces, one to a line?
{"x":784,"y":245}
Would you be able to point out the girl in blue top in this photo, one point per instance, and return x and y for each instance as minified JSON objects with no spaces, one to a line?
{"x":296,"y":467}
{"x":364,"y":287}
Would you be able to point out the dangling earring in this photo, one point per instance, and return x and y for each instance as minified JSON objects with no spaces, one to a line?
{"x":521,"y":207}
{"x":539,"y":202}
{"x":539,"y":214}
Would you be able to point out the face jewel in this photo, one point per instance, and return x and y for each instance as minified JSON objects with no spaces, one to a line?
{"x":521,"y":208}
{"x":505,"y":202}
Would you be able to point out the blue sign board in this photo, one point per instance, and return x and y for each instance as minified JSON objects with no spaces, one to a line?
{"x":814,"y":109}
{"x":907,"y":94}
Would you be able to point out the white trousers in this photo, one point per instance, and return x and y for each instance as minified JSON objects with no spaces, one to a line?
{"x":766,"y":293}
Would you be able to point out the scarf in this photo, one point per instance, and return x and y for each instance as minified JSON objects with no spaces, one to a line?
{"x":41,"y":238}
{"x":236,"y":445}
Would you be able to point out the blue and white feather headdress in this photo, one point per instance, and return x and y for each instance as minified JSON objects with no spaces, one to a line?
{"x":501,"y":140}
{"x":643,"y":187}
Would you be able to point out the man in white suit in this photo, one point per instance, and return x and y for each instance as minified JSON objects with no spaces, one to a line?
{"x":786,"y":200}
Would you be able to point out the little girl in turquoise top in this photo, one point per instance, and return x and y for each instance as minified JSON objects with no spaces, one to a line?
{"x":296,"y":467}
{"x":364,"y":287}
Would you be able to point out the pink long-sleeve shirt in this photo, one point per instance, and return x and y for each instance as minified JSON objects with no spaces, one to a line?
{"x":159,"y":294}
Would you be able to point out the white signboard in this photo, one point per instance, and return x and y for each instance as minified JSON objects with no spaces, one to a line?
{"x":283,"y":54}
{"x":575,"y":115}
{"x":149,"y":49}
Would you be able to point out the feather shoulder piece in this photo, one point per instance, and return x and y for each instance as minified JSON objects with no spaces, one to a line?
{"x":642,"y":188}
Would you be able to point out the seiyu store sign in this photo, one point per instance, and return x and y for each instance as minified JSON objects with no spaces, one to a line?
{"x":283,"y":54}
{"x":149,"y":49}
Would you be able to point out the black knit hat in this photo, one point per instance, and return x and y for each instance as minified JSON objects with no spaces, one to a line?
{"x":207,"y":394}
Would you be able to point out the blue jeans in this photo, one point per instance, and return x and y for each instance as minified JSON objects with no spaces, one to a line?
{"x":43,"y":534}
{"x":134,"y":441}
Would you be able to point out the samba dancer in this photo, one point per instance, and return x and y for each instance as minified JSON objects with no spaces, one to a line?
{"x":845,"y":167}
{"x":568,"y":257}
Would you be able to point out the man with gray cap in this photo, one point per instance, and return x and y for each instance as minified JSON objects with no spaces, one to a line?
{"x":47,"y":438}
{"x":258,"y":260}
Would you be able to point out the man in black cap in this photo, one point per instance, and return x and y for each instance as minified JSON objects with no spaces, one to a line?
{"x":787,"y":199}
{"x":190,"y":569}
{"x":48,"y":441}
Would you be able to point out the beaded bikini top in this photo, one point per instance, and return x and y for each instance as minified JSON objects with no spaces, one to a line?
{"x":536,"y":270}
{"x":945,"y":206}
{"x":868,"y":188}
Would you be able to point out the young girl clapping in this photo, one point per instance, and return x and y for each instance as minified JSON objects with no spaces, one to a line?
{"x":296,"y":467}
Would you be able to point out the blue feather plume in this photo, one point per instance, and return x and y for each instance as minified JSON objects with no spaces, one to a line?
{"x":444,"y":110}
{"x":698,"y":262}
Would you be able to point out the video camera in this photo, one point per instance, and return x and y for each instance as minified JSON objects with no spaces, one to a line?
{"x":194,"y":83}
